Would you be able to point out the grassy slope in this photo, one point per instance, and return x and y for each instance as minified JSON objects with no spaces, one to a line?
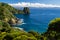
{"x":10,"y":8}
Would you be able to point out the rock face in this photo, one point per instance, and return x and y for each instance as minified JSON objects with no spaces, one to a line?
{"x":12,"y":21}
{"x":26,"y":10}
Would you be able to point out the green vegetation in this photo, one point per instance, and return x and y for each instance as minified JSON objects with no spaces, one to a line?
{"x":7,"y":32}
{"x":53,"y":32}
{"x":10,"y":33}
{"x":11,"y":9}
{"x":5,"y":13}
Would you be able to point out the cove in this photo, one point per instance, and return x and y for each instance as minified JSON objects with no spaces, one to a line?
{"x":38,"y":19}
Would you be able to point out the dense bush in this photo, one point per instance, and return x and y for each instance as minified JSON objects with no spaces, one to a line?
{"x":11,"y":33}
{"x":53,"y":31}
{"x":55,"y":25}
{"x":11,"y":9}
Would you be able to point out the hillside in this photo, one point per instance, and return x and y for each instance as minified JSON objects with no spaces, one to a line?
{"x":7,"y":11}
{"x":7,"y":32}
{"x":10,"y":33}
{"x":11,"y":9}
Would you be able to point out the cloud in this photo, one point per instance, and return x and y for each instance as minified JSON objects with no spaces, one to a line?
{"x":28,"y":4}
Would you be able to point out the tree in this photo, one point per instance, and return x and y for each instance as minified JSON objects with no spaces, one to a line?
{"x":53,"y":31}
{"x":54,"y":25}
{"x":35,"y":34}
{"x":8,"y":37}
{"x":24,"y":37}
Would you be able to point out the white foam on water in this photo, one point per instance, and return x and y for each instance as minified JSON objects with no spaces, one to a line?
{"x":19,"y":28}
{"x":21,"y":22}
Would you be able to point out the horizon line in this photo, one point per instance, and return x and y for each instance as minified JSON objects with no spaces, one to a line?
{"x":37,"y":5}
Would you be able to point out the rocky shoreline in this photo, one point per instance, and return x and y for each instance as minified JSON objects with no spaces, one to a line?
{"x":15,"y":21}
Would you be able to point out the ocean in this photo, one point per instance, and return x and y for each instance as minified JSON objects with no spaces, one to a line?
{"x":38,"y":19}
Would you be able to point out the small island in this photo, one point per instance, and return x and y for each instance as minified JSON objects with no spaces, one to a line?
{"x":26,"y":10}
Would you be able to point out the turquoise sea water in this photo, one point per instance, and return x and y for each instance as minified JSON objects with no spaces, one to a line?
{"x":38,"y":19}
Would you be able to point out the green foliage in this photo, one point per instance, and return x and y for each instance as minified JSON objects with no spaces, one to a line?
{"x":5,"y":14}
{"x":35,"y":34}
{"x":11,"y":9}
{"x":24,"y":37}
{"x":11,"y":33}
{"x":2,"y":35}
{"x":53,"y":31}
{"x":8,"y":37}
{"x":55,"y":25}
{"x":4,"y":26}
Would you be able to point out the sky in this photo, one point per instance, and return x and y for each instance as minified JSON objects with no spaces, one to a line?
{"x":33,"y":1}
{"x":29,"y":3}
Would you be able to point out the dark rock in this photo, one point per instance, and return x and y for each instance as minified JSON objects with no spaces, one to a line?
{"x":26,"y":10}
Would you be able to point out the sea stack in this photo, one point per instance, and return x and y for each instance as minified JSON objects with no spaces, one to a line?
{"x":26,"y":10}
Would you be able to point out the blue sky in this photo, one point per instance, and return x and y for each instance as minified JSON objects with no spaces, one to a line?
{"x":32,"y":1}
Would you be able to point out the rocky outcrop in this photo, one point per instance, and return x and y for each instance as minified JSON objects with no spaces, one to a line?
{"x":26,"y":10}
{"x":15,"y":21}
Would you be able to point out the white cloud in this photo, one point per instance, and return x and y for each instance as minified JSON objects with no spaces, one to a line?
{"x":27,"y":4}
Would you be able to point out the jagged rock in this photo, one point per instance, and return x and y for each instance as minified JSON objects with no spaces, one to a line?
{"x":26,"y":10}
{"x":12,"y":21}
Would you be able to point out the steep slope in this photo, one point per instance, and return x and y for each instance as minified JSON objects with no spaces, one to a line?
{"x":5,"y":14}
{"x":7,"y":11}
{"x":11,"y":9}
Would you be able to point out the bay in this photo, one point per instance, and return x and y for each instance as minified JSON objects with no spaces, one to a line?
{"x":38,"y":19}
